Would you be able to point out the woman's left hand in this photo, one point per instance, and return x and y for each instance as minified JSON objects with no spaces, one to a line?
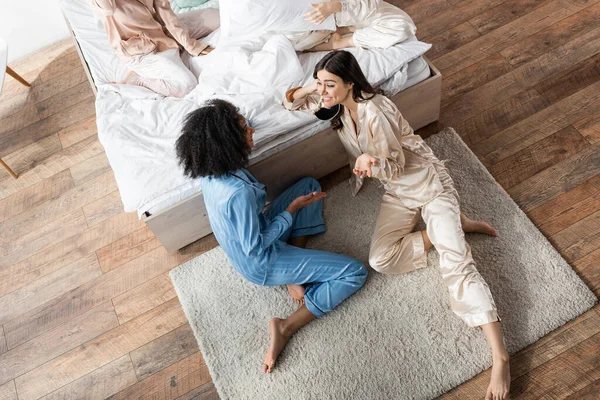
{"x":362,"y":167}
{"x":322,"y":11}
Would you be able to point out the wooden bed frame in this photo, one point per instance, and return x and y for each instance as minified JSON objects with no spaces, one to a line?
{"x":316,"y":156}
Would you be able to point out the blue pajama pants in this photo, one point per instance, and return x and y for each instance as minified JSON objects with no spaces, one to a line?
{"x":329,"y":278}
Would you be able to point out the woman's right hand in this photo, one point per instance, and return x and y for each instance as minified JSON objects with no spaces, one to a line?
{"x":303,"y":201}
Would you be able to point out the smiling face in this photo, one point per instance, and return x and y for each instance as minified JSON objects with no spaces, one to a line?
{"x":248,"y":132}
{"x":332,"y":88}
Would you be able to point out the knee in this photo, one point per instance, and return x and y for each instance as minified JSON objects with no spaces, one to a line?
{"x":311,"y":183}
{"x":359,"y":272}
{"x":385,"y":262}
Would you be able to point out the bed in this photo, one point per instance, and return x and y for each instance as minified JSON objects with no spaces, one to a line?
{"x":138,"y":128}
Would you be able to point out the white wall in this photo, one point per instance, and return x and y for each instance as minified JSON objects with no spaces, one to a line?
{"x":30,"y":25}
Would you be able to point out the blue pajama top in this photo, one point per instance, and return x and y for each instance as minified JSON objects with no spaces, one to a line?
{"x":235,"y":204}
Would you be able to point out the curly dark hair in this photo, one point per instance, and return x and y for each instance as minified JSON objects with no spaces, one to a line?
{"x":343,"y":64}
{"x":213,"y":141}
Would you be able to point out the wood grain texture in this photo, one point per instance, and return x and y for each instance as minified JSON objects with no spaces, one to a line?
{"x":126,"y":249}
{"x":90,"y":168}
{"x":568,"y":208}
{"x":103,"y":208}
{"x":144,"y":298}
{"x":590,"y":128}
{"x":48,"y":287}
{"x":579,"y":239}
{"x":553,"y":36}
{"x":8,"y":391}
{"x":543,"y":154}
{"x":99,"y":384}
{"x":57,"y":341}
{"x":450,"y":40}
{"x":100,"y":351}
{"x":576,"y":78}
{"x":77,"y":132}
{"x":164,"y":351}
{"x":553,"y":181}
{"x":543,"y":124}
{"x":503,"y":14}
{"x":66,"y":252}
{"x":587,"y":269}
{"x":171,"y":383}
{"x":505,"y":36}
{"x":35,"y":195}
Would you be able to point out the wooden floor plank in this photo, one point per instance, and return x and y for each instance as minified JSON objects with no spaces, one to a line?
{"x":35,"y":195}
{"x":66,"y":252}
{"x":98,"y":384}
{"x":26,"y":159}
{"x":19,"y":120}
{"x":590,"y":128}
{"x":38,"y":240}
{"x":576,"y":78}
{"x":48,"y":287}
{"x":57,"y":341}
{"x":172,"y":382}
{"x":104,"y":208}
{"x":454,"y":16}
{"x":41,"y":59}
{"x":474,"y":76}
{"x":450,"y":40}
{"x":590,"y":392}
{"x":68,"y":98}
{"x":67,"y":62}
{"x":501,"y":116}
{"x":51,"y":164}
{"x":127,"y":248}
{"x":164,"y":351}
{"x":8,"y":391}
{"x":553,"y":181}
{"x":420,"y":10}
{"x":77,"y":132}
{"x":39,"y":92}
{"x":100,"y":351}
{"x":523,"y":77}
{"x":90,"y":168}
{"x":543,"y":124}
{"x":563,"y":375}
{"x":3,"y":345}
{"x":547,"y":152}
{"x":568,"y":208}
{"x":85,"y":297}
{"x":503,"y":14}
{"x":579,"y":239}
{"x":144,"y":298}
{"x":553,"y":36}
{"x":45,"y":213}
{"x":204,"y":392}
{"x":587,"y":268}
{"x":505,"y":36}
{"x":17,"y":139}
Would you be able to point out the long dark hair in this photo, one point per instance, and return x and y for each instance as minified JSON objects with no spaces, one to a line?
{"x":343,"y":64}
{"x":213,"y":141}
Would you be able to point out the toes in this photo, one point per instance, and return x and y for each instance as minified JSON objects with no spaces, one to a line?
{"x":488,"y":396}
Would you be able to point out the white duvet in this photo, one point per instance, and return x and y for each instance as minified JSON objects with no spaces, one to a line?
{"x":138,"y":128}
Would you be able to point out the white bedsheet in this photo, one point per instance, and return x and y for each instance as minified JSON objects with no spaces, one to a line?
{"x":138,"y":128}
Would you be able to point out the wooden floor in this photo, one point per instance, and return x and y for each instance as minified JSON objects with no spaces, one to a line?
{"x":86,"y":306}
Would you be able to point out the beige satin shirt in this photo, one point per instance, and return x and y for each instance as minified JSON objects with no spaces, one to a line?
{"x":406,"y":165}
{"x":139,"y":27}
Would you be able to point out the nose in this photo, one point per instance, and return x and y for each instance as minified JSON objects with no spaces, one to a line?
{"x":322,"y":90}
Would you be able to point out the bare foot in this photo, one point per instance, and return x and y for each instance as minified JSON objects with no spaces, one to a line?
{"x":278,"y":342}
{"x":340,"y":42}
{"x":296,"y":292}
{"x":500,"y":382}
{"x":470,"y":225}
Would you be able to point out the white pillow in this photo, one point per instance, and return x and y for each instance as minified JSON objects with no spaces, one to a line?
{"x":242,"y":19}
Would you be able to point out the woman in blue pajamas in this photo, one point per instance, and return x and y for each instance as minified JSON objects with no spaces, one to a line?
{"x":214,"y":146}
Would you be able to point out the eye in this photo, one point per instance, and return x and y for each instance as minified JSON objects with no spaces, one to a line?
{"x":330,"y":86}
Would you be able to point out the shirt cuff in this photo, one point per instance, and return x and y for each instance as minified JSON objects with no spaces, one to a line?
{"x":198,"y":48}
{"x":287,"y":217}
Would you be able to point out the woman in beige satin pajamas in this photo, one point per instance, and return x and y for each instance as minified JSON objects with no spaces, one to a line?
{"x":360,"y":23}
{"x":381,"y":144}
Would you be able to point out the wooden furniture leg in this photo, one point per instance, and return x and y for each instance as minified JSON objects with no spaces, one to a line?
{"x":20,"y":79}
{"x":7,"y":168}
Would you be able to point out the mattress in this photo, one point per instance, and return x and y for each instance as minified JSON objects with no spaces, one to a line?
{"x":138,"y":128}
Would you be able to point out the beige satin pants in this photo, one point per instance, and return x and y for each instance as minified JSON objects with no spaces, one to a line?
{"x":396,"y":249}
{"x":387,"y":27}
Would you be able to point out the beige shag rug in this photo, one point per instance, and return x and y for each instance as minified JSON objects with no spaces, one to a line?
{"x":397,"y":337}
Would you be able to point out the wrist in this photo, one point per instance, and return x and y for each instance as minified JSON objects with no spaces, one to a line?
{"x":336,"y":6}
{"x":291,"y":209}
